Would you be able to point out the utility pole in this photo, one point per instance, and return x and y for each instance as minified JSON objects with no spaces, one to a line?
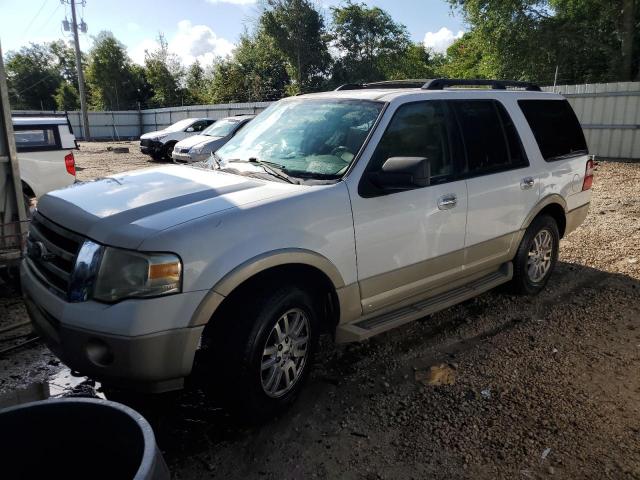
{"x":81,"y":90}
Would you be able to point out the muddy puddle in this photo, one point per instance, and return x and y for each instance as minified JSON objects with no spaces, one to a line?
{"x":62,"y":384}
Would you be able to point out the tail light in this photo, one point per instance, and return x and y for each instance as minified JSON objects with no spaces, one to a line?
{"x":588,"y":174}
{"x":70,"y":163}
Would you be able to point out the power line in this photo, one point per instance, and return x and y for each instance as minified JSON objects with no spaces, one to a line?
{"x":46,"y":77}
{"x":35,"y":16}
{"x":51,"y":16}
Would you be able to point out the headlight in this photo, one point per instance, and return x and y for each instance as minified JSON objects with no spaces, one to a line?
{"x":198,"y":150}
{"x":128,"y":274}
{"x":160,"y":137}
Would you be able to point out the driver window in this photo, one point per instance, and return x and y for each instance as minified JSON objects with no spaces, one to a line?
{"x":199,"y":126}
{"x":417,"y":130}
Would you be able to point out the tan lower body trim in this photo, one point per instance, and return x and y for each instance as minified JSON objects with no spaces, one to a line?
{"x":575,"y":218}
{"x":395,"y":286}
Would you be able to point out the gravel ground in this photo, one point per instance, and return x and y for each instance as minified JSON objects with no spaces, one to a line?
{"x":498,"y":387}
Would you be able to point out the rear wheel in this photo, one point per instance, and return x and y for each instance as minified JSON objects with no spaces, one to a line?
{"x":263,"y":354}
{"x":166,"y":151}
{"x":537,"y":256}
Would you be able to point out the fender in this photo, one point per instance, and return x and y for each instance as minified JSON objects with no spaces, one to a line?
{"x":546,"y":201}
{"x":258,"y":264}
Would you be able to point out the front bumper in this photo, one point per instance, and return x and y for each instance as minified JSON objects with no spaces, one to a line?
{"x":151,"y":147}
{"x":153,"y":362}
{"x":179,"y":157}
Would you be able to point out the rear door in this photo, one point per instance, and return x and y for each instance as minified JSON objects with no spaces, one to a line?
{"x":501,"y":187}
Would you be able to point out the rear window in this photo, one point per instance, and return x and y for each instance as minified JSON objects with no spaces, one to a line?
{"x":35,"y":138}
{"x":555,"y":127}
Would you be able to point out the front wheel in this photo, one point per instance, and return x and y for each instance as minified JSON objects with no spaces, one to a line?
{"x":266,"y":352}
{"x":536,"y":257}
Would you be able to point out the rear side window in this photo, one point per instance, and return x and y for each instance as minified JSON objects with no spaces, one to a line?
{"x":555,"y":128}
{"x":490,"y":138}
{"x":35,"y":138}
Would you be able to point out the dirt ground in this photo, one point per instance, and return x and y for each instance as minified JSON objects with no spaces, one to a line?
{"x":543,"y":387}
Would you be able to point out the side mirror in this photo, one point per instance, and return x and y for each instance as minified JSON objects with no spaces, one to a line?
{"x":402,"y":173}
{"x":190,"y":129}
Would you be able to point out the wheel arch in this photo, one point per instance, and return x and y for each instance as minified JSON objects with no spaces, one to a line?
{"x":27,"y":190}
{"x":313,"y":269}
{"x":552,"y":205}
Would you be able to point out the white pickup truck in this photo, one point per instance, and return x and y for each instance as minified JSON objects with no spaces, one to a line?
{"x":348,"y":212}
{"x":45,"y":147}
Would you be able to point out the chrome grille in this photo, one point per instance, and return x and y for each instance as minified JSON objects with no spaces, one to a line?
{"x":51,"y":252}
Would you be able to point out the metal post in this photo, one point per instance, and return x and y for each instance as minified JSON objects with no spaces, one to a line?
{"x":83,"y":96}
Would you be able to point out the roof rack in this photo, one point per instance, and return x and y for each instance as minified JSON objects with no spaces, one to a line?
{"x":385,"y":84}
{"x":442,"y":83}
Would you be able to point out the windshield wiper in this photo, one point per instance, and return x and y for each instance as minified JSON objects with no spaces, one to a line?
{"x":274,"y":169}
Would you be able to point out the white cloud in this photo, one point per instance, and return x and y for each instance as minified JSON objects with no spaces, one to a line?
{"x":189,"y":43}
{"x":441,"y":40}
{"x":137,"y":53}
{"x":233,"y":2}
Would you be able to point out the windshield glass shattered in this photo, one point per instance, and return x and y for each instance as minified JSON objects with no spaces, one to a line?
{"x":317,"y":138}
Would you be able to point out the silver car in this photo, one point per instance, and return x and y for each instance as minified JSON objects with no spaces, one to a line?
{"x":198,"y":147}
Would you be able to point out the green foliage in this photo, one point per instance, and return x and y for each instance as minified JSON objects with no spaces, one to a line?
{"x":369,"y":42}
{"x":164,"y":73}
{"x":196,"y":88}
{"x":33,"y":77}
{"x":115,"y":83}
{"x":257,"y":71}
{"x":298,"y":31}
{"x":67,"y":97}
{"x":588,"y":40}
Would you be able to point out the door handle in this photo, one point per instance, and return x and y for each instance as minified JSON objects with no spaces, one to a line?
{"x":527,"y":182}
{"x":447,"y":202}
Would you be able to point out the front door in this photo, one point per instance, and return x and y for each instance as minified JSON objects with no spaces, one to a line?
{"x":410,"y":241}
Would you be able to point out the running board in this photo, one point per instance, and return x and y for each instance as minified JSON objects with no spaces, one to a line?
{"x":371,"y":326}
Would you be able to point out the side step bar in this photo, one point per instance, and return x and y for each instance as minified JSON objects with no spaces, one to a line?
{"x":371,"y":326}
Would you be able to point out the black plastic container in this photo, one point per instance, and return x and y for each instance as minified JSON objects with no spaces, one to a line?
{"x":78,"y":438}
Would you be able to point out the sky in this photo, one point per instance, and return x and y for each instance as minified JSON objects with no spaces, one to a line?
{"x":195,"y":29}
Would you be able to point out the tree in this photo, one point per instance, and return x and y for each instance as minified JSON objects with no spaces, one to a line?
{"x":588,"y":40}
{"x":298,"y":31}
{"x":115,"y":83}
{"x":415,"y":62}
{"x":196,"y":84}
{"x":164,"y":72}
{"x":256,"y":71}
{"x":32,"y":78}
{"x":368,"y":40}
{"x":67,"y":97}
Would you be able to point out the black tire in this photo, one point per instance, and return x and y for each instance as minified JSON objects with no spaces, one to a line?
{"x":524,"y":281}
{"x":239,"y":346}
{"x":166,"y":151}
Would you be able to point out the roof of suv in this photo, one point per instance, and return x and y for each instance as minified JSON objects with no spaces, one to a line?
{"x":384,"y":94}
{"x":388,"y":90}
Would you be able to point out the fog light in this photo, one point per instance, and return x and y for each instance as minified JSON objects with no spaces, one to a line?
{"x":99,"y":352}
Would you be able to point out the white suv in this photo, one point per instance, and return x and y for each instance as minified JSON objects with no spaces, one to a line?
{"x":349,"y":212}
{"x":159,"y":144}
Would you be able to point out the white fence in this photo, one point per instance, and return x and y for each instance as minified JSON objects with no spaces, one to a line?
{"x":610,"y":116}
{"x":609,"y":113}
{"x":127,"y":124}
